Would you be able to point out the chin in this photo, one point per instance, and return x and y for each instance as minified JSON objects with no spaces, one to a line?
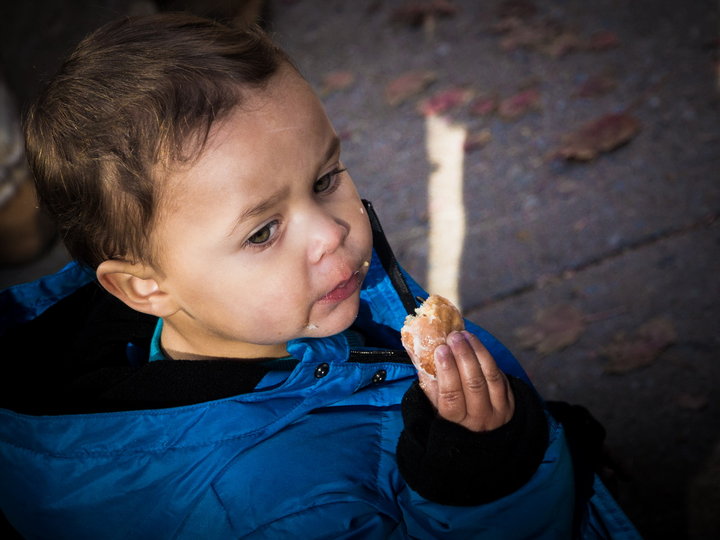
{"x":337,"y":321}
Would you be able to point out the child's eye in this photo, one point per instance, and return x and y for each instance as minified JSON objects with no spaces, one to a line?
{"x":327,"y":183}
{"x":263,"y":236}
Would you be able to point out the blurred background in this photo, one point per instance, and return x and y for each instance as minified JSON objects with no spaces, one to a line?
{"x":551,"y":165}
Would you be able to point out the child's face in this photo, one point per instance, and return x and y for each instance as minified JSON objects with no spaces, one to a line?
{"x":264,"y":238}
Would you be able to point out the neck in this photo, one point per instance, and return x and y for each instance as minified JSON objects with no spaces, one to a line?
{"x":180,"y":355}
{"x":176,"y":346}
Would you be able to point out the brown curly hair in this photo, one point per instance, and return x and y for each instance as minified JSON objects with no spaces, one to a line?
{"x":136,"y":94}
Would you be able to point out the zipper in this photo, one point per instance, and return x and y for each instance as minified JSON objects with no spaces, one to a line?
{"x":370,"y":356}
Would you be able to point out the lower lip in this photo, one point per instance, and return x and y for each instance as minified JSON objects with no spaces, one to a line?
{"x":342,"y":292}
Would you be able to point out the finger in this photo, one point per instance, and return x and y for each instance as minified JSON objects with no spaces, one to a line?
{"x":451,"y":398}
{"x":475,"y":387}
{"x":498,"y":387}
{"x":429,"y":386}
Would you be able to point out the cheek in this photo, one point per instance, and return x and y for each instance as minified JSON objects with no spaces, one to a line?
{"x":278,"y":288}
{"x":363,"y":230}
{"x":271,"y":313}
{"x":250,"y":309}
{"x":352,"y":211}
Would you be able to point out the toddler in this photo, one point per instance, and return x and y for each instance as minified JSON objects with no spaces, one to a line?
{"x":223,"y":358}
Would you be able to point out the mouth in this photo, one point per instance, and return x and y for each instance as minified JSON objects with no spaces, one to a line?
{"x":343,"y":290}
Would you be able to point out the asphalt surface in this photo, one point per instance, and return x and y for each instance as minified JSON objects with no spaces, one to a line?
{"x":627,"y":238}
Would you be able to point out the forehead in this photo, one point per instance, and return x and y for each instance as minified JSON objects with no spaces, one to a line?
{"x":285,"y":101}
{"x":277,"y":130}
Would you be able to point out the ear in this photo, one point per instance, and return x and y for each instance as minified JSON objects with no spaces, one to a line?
{"x":137,"y":285}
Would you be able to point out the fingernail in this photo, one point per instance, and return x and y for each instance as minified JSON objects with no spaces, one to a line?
{"x":455,"y":338}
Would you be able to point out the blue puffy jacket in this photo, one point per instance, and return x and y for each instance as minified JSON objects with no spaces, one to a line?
{"x":308,"y":456}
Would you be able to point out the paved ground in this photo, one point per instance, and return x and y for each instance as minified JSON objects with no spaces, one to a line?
{"x":625,"y":239}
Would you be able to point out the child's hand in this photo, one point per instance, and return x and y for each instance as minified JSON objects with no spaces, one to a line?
{"x":470,"y":389}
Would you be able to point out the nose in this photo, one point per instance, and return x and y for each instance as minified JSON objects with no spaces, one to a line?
{"x":326,"y":234}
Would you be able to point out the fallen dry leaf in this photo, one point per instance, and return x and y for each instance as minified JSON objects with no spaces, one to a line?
{"x":692,"y":402}
{"x":408,"y":85}
{"x":563,"y":43}
{"x":601,"y":135}
{"x":477,"y":140}
{"x":517,"y":9}
{"x":520,"y":34}
{"x":445,"y":100}
{"x":554,"y":329}
{"x":515,"y":106}
{"x":628,"y":353}
{"x":712,"y":44}
{"x":483,"y":105}
{"x":603,"y":40}
{"x":582,"y":223}
{"x":416,"y":13}
{"x":550,"y":36}
{"x":597,"y":85}
{"x":336,"y":81}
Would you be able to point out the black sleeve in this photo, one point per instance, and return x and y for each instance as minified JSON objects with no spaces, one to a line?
{"x":449,"y":464}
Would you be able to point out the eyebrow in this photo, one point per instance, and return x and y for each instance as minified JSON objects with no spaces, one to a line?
{"x":333,"y":148}
{"x":261,"y":207}
{"x":274,"y":198}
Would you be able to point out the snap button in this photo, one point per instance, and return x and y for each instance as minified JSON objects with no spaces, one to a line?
{"x":322,"y":370}
{"x":379,"y":376}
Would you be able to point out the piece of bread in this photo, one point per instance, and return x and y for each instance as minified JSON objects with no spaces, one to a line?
{"x":429,"y":328}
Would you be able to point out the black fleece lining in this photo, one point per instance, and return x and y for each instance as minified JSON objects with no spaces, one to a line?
{"x":88,"y":330}
{"x":164,"y":384}
{"x":81,"y":364}
{"x":448,"y":464}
